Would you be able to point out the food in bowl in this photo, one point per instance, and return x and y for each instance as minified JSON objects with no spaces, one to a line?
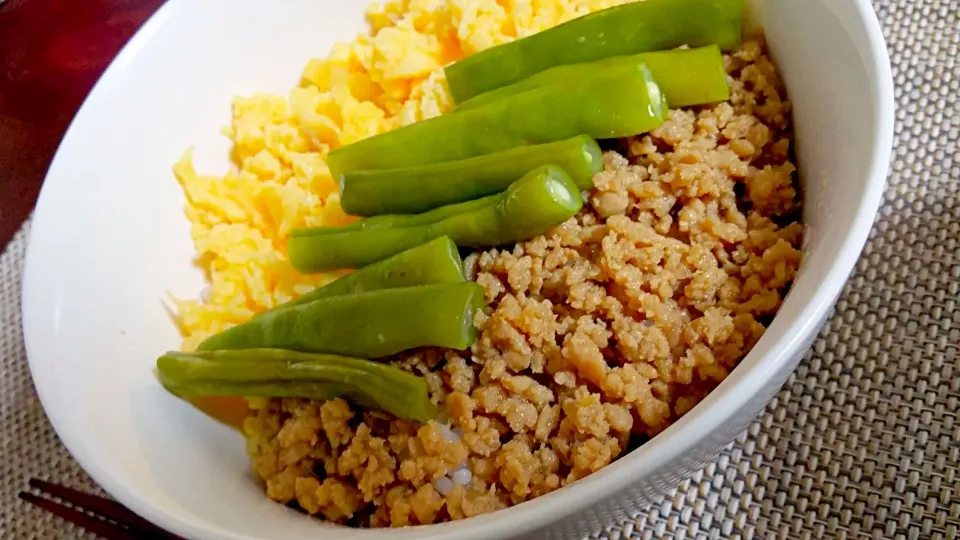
{"x":621,"y":254}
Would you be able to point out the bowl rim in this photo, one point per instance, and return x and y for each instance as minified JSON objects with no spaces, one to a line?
{"x":733,"y":393}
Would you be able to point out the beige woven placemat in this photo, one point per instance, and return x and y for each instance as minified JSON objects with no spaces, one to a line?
{"x":864,"y":439}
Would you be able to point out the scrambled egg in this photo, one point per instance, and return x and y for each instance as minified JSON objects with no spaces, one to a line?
{"x":384,"y":79}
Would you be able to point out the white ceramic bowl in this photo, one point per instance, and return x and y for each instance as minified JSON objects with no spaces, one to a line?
{"x":109,"y":240}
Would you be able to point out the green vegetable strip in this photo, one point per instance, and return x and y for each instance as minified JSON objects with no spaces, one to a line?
{"x":543,"y":198}
{"x":617,"y":104}
{"x":283,"y":373}
{"x":387,"y":221}
{"x":436,"y":261}
{"x":370,"y":324}
{"x":651,"y":25}
{"x":419,"y":189}
{"x":685,"y":76}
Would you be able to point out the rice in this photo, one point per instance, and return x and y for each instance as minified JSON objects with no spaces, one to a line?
{"x":596,"y":336}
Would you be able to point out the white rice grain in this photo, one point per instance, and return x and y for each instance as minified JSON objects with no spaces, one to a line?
{"x":443,"y":485}
{"x":461,"y":476}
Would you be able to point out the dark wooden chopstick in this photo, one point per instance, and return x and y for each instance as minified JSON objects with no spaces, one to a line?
{"x":103,"y":517}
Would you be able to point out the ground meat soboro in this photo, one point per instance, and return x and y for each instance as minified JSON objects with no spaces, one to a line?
{"x":598,"y":334}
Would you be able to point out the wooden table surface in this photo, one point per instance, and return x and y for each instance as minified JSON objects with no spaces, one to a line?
{"x":52,"y":53}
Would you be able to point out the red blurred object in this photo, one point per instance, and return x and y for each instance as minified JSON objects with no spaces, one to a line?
{"x":52,"y":53}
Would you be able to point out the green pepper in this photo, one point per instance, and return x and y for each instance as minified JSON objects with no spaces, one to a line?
{"x":418,"y":189}
{"x":543,"y":198}
{"x":617,"y":104}
{"x":651,"y":25}
{"x":281,"y":373}
{"x":436,"y":261}
{"x":387,"y":221}
{"x":369,"y":324}
{"x":685,"y":76}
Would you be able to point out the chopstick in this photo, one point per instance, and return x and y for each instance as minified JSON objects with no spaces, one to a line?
{"x":103,"y":517}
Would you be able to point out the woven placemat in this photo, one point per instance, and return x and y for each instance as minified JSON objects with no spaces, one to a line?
{"x":864,"y":439}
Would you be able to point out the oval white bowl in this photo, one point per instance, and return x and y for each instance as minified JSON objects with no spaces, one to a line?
{"x":109,"y":240}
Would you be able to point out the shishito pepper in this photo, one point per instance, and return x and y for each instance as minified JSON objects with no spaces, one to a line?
{"x":618,"y":104}
{"x":419,"y":189}
{"x":282,"y":373}
{"x":436,"y":261}
{"x":366,"y":325}
{"x":685,"y":76}
{"x":651,"y":25}
{"x":543,"y":198}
